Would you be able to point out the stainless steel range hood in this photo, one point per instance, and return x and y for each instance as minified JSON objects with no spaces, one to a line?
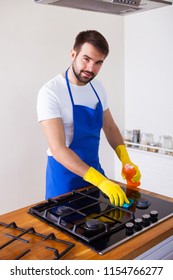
{"x":118,"y":7}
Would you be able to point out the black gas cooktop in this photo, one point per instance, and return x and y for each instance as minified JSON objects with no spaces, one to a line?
{"x":88,"y":216}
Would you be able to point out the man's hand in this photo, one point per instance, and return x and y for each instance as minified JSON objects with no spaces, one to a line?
{"x":131,"y":171}
{"x":113,"y":191}
{"x":122,"y":154}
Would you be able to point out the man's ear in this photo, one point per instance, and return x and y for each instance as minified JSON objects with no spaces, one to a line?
{"x":73,"y":54}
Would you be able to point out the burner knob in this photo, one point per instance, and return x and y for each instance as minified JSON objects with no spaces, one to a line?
{"x":138,"y":224}
{"x":154,"y":216}
{"x":129,"y":228}
{"x":146,"y":220}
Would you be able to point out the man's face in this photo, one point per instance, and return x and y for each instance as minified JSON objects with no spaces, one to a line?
{"x":86,"y":64}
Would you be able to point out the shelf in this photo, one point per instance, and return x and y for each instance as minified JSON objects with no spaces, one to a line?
{"x":149,"y":148}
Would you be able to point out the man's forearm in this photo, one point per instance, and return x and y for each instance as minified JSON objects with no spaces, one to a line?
{"x":71,"y":161}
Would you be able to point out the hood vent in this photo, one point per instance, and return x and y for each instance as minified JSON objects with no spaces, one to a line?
{"x":118,"y":7}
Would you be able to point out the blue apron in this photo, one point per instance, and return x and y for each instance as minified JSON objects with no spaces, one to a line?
{"x":85,"y":143}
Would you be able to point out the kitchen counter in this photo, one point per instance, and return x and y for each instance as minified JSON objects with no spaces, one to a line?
{"x":126,"y":251}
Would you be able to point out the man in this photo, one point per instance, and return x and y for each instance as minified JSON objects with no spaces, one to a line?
{"x":72,"y":110}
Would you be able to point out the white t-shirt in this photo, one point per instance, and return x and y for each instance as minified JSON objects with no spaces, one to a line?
{"x":54,"y":101}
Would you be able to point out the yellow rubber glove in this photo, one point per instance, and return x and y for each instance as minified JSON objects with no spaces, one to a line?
{"x":122,"y":154}
{"x":113,"y":191}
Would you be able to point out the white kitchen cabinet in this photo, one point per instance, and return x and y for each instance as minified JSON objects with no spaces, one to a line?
{"x":162,"y":251}
{"x":156,"y":170}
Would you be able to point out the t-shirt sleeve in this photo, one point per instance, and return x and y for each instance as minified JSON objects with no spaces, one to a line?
{"x":48,"y":105}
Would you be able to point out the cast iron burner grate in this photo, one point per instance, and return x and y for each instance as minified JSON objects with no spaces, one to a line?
{"x":81,"y":214}
{"x":22,"y":237}
{"x":88,"y":217}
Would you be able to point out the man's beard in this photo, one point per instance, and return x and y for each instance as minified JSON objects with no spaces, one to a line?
{"x":80,"y":77}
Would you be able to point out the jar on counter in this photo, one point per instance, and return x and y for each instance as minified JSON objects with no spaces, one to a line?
{"x":127,"y":135}
{"x":166,"y":142}
{"x":146,"y":139}
{"x":136,"y":136}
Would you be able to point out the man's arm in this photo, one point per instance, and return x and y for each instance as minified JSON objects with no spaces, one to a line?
{"x":116,"y":141}
{"x":55,"y":135}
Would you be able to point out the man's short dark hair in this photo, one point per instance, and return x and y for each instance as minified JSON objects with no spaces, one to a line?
{"x":94,"y":38}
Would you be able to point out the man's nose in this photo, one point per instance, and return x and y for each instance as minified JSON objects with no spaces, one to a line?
{"x":90,"y":67}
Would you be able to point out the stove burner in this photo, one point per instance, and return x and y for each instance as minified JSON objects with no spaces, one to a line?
{"x":88,"y":217}
{"x":142,"y":203}
{"x":64,"y":210}
{"x":93,"y":224}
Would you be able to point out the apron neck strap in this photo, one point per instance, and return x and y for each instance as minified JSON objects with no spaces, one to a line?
{"x":69,"y":89}
{"x":68,"y":86}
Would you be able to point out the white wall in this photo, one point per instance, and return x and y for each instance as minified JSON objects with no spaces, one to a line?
{"x":148,"y":94}
{"x":149,"y":72}
{"x":35,"y":45}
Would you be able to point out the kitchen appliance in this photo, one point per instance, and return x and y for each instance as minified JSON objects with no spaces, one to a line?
{"x":87,"y":216}
{"x":17,"y":242}
{"x":118,"y":7}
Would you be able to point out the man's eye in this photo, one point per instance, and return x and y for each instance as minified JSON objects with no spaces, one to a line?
{"x":99,"y":62}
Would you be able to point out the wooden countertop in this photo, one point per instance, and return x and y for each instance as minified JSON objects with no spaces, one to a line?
{"x":126,"y":251}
